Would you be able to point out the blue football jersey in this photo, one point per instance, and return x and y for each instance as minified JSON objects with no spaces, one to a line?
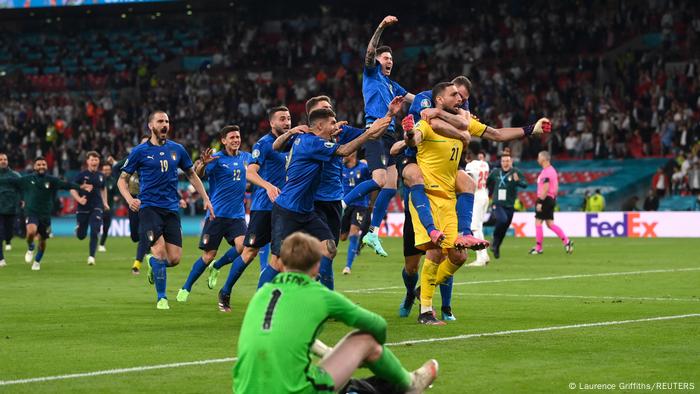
{"x":272,"y":169}
{"x":331,"y":186}
{"x":94,"y":198}
{"x":227,"y":180}
{"x":157,"y":167}
{"x":378,"y":91}
{"x":306,"y":158}
{"x":353,"y":176}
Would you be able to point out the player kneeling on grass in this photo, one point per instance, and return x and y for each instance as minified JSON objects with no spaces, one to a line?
{"x":282,"y":322}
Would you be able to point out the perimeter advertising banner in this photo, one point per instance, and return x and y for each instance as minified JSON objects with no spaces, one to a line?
{"x":575,"y":224}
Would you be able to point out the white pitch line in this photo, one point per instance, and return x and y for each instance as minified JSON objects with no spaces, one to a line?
{"x":402,"y":343}
{"x":626,"y":298}
{"x":542,"y":278}
{"x":541,"y":329}
{"x":116,"y":371}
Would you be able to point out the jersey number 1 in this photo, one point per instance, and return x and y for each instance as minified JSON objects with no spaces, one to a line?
{"x":267,"y":323}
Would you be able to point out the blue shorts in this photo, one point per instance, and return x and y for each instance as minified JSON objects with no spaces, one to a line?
{"x":331,"y":213}
{"x":219,"y":228}
{"x":259,"y":231}
{"x":356,"y":216}
{"x":285,"y":222}
{"x":377,"y":152}
{"x":91,"y":218}
{"x":43,"y":225}
{"x":134,"y":226}
{"x":155,"y":222}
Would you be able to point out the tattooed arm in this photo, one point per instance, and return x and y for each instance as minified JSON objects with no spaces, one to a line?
{"x":374,"y":41}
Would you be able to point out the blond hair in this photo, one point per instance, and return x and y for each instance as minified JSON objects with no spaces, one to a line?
{"x":300,"y":252}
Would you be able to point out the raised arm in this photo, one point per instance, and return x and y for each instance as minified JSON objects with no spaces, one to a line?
{"x":375,"y":130}
{"x":397,"y":147}
{"x":281,"y":142}
{"x":199,"y":187}
{"x":374,"y":41}
{"x":543,"y":125}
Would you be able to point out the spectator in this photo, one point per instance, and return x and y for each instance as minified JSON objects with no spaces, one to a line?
{"x":630,"y":204}
{"x":694,"y":178}
{"x":660,"y":182}
{"x":651,"y":202}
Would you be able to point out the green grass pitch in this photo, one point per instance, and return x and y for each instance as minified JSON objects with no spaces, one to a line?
{"x":70,"y":318}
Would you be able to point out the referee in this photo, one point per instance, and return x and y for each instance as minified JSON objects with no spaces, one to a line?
{"x":503,"y":184}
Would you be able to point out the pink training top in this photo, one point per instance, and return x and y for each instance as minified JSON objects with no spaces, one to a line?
{"x":548,"y":176}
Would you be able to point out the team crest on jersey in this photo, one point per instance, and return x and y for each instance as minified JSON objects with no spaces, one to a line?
{"x":173,"y":155}
{"x":256,"y":153}
{"x":205,"y":239}
{"x":359,"y":175}
{"x":297,"y":141}
{"x":425,"y":103}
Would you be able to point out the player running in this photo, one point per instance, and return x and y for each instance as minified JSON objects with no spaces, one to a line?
{"x":503,"y":183}
{"x":378,"y":91}
{"x":226,"y":171}
{"x":294,"y":209}
{"x":478,"y":170}
{"x":547,"y":189}
{"x":266,"y":171}
{"x":329,"y":195}
{"x":286,"y":315}
{"x":112,"y":197}
{"x":439,"y":158}
{"x":9,"y":201}
{"x":38,"y":190}
{"x":356,"y":217}
{"x":89,"y":213}
{"x":157,"y":161}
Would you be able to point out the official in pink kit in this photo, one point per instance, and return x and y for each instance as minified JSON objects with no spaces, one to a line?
{"x":547,"y":189}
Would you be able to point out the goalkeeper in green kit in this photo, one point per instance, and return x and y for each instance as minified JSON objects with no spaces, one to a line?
{"x":279,"y":331}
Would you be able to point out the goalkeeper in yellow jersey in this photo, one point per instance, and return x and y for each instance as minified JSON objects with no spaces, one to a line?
{"x":438,"y":158}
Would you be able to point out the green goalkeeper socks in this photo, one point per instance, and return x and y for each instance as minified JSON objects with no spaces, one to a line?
{"x":389,"y":367}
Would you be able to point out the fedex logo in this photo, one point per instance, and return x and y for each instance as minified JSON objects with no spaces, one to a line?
{"x":630,"y":226}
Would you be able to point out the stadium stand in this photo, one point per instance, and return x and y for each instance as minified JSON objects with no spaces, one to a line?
{"x":75,"y":87}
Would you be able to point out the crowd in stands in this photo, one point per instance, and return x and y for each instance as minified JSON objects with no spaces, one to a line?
{"x":618,"y":80}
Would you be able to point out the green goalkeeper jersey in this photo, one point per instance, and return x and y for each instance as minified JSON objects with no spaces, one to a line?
{"x":283,"y":319}
{"x":38,"y":192}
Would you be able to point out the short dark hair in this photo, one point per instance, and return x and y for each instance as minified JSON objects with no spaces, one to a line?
{"x":463,"y":81}
{"x":310,"y":103}
{"x":227,"y":129}
{"x":321,"y":113}
{"x":153,"y":114}
{"x":300,"y":251}
{"x":39,"y":158}
{"x":440,"y":87}
{"x":272,"y":111}
{"x":92,"y":153}
{"x":382,"y":49}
